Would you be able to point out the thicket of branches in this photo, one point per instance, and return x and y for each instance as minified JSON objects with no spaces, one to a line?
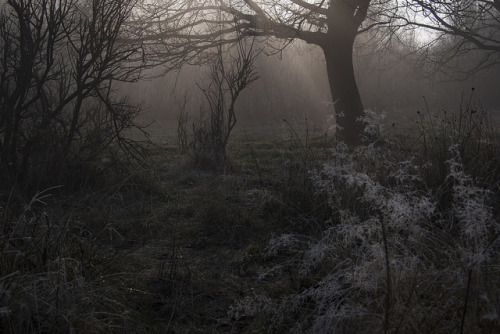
{"x":59,"y":116}
{"x":229,"y":75}
{"x":459,"y":28}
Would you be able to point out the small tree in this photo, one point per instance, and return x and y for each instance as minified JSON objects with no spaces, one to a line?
{"x":227,"y":80}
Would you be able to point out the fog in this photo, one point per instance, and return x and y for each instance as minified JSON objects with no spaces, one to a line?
{"x":186,"y":226}
{"x":293,"y":85}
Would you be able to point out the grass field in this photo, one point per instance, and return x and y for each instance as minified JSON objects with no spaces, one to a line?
{"x":299,"y":234}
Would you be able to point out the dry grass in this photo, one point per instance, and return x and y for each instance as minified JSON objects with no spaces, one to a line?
{"x":175,"y":249}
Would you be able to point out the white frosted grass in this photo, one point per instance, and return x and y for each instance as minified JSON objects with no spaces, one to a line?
{"x":393,"y":225}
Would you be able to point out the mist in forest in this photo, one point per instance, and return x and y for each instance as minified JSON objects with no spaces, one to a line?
{"x":293,"y":85}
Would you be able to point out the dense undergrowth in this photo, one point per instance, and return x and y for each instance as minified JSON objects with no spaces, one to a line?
{"x":305,"y":235}
{"x":411,"y":244}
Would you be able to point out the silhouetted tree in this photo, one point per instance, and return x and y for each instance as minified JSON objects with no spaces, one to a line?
{"x":230,"y":74}
{"x":187,"y":28}
{"x":58,"y":61}
{"x":181,"y":30}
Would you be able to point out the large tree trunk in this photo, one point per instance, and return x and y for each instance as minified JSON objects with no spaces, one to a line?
{"x":344,"y":19}
{"x":345,"y":94}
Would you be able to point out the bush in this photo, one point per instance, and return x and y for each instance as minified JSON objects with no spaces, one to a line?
{"x":228,"y":78}
{"x":392,"y":257}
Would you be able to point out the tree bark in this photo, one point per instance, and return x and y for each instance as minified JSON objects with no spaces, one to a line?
{"x":345,"y":94}
{"x":344,"y":19}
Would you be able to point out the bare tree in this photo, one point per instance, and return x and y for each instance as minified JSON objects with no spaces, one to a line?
{"x":183,"y":29}
{"x":58,"y":61}
{"x":469,"y":28}
{"x":228,"y":78}
{"x":182,"y":121}
{"x":186,"y":28}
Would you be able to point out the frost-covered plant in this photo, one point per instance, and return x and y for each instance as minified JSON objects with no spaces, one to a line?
{"x":249,"y":306}
{"x":391,"y":257}
{"x":373,"y":123}
{"x":471,"y":128}
{"x":471,"y":210}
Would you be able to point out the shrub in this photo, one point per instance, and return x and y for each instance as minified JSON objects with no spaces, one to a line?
{"x":392,"y":257}
{"x":228,"y":78}
{"x":471,"y":129}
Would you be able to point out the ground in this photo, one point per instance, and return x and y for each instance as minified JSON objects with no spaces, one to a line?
{"x":215,"y":227}
{"x":170,"y":247}
{"x":190,"y":243}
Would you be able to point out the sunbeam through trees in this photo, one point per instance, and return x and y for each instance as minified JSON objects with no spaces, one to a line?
{"x":249,"y":166}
